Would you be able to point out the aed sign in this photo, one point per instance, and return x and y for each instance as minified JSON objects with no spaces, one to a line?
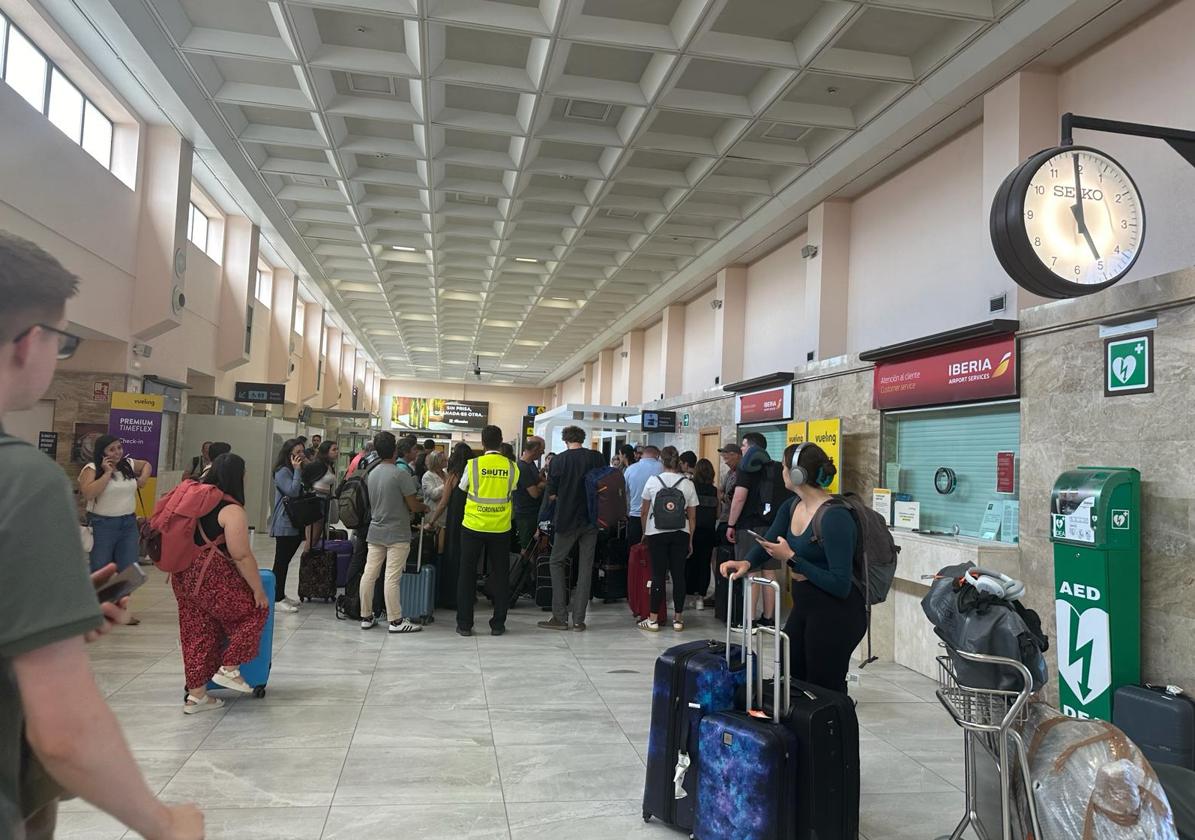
{"x":1080,"y":590}
{"x":1128,"y":365}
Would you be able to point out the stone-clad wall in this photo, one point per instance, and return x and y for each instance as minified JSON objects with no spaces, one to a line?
{"x":1067,"y":422}
{"x":73,"y":403}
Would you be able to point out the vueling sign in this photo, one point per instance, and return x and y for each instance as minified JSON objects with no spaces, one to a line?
{"x":976,"y":370}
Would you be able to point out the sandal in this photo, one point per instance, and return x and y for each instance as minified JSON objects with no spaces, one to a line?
{"x":195,"y":705}
{"x":678,"y":623}
{"x":231,"y":678}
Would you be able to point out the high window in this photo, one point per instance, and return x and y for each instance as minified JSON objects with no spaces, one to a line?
{"x":28,"y":71}
{"x":197,"y":228}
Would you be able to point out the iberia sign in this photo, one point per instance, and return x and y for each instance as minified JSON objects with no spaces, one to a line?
{"x":764,"y":406}
{"x":978,"y":370}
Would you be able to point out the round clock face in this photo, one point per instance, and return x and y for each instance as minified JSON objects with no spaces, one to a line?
{"x":1068,"y":222}
{"x":945,"y":480}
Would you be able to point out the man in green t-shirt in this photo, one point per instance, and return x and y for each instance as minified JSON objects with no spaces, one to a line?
{"x":48,"y":606}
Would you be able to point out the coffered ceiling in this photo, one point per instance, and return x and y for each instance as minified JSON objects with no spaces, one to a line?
{"x":506,"y":178}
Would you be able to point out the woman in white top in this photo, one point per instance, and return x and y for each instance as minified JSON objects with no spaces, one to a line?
{"x":110,"y":484}
{"x":668,"y":528}
{"x":320,"y":476}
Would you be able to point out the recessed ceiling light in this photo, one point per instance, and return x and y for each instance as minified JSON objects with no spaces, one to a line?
{"x":832,"y":90}
{"x":403,"y":248}
{"x":525,"y":260}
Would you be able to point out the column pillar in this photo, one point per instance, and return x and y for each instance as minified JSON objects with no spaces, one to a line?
{"x":1020,"y":117}
{"x":603,"y":388}
{"x":827,"y":280}
{"x":588,"y":383}
{"x":313,"y":348}
{"x":730,"y":322}
{"x":330,"y":392}
{"x":672,"y":351}
{"x":283,"y":295}
{"x":238,"y":278}
{"x":631,"y":379}
{"x":162,"y":235}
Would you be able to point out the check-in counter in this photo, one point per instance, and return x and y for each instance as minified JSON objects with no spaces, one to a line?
{"x":916,"y":645}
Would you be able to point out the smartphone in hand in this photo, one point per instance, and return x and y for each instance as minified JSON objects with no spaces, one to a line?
{"x":758,"y":536}
{"x":122,"y":585}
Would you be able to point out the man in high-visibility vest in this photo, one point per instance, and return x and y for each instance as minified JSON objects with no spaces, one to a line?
{"x":489,"y":483}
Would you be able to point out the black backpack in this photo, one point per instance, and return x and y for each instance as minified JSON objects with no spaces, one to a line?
{"x":668,"y":506}
{"x":876,"y":552}
{"x":772,"y":492}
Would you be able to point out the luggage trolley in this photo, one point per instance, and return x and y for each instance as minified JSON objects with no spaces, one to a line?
{"x":991,"y":721}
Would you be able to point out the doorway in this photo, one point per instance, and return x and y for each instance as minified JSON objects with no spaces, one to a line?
{"x":711,"y":442}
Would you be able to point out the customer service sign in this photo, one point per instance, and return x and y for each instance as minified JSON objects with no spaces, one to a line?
{"x":971,"y":372}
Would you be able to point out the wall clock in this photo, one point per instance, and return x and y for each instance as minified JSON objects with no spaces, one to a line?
{"x":1067,"y":222}
{"x":945,"y":481}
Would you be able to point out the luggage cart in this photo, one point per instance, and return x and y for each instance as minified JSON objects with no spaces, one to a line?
{"x":993,"y":748}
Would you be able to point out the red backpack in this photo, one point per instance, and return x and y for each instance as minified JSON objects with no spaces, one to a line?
{"x":175,"y":519}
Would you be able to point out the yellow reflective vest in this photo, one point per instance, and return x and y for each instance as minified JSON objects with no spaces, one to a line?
{"x":488,"y":505}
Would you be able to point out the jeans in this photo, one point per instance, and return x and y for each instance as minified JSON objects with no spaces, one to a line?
{"x":117,"y":540}
{"x":495,"y":547}
{"x":394,"y":557}
{"x":562,"y":546}
{"x":284,"y":552}
{"x":669,"y":555}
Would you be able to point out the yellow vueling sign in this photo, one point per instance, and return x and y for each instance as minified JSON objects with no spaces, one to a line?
{"x":797,"y":432}
{"x":828,"y":435}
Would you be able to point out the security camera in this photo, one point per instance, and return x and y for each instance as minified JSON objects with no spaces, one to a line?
{"x":715,"y":304}
{"x":142,"y":350}
{"x":808,"y":252}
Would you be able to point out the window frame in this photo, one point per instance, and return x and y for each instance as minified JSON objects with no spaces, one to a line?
{"x":192,"y":212}
{"x":52,"y":68}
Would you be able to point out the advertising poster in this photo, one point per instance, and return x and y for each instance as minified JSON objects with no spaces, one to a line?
{"x":47,"y":442}
{"x":437,"y":415}
{"x":828,"y":435}
{"x":137,"y":420}
{"x":83,"y":442}
{"x":798,"y":432}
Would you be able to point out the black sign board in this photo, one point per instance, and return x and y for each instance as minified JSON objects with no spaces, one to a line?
{"x":528,"y":426}
{"x":659,"y":421}
{"x":260,"y":392}
{"x":47,"y":442}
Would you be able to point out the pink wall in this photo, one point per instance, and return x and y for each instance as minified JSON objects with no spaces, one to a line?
{"x":1145,"y":76}
{"x":574,"y":389}
{"x":653,"y":381}
{"x":775,"y":311}
{"x":618,"y":393}
{"x":701,"y":367}
{"x":914,"y":246}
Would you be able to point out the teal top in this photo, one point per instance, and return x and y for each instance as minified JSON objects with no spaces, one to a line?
{"x":828,"y":563}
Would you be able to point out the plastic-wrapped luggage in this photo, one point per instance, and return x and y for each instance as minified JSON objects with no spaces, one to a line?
{"x":1091,"y":782}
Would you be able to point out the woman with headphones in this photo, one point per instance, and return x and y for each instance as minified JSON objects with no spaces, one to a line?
{"x":829,"y":616}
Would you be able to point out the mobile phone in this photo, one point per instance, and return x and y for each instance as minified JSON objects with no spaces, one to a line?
{"x":122,"y":585}
{"x":759,"y":537}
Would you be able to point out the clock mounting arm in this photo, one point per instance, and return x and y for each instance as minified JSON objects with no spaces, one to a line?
{"x":1181,"y":140}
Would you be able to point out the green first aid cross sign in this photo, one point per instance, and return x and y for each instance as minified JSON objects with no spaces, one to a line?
{"x":1128,"y":365}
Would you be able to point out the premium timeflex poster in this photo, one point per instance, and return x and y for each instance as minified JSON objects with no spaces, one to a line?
{"x":137,"y":420}
{"x":437,"y":415}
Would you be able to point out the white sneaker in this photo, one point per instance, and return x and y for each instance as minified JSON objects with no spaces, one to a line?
{"x":405,"y":626}
{"x":286,"y":606}
{"x":649,"y":625}
{"x":368,"y":622}
{"x":699,"y":604}
{"x":231,"y":678}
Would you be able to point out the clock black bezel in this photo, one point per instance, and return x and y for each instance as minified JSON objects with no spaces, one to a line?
{"x":1010,"y":240}
{"x":951,"y":480}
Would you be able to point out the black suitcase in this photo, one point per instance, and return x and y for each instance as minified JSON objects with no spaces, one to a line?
{"x":722,"y":591}
{"x":348,"y":605}
{"x":610,"y":568}
{"x":1158,"y":721}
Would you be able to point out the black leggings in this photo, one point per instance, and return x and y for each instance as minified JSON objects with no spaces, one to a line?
{"x":698,"y":577}
{"x":669,"y":552}
{"x":823,"y":632}
{"x":284,"y":550}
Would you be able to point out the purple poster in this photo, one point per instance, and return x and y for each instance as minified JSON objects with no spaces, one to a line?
{"x":137,"y":420}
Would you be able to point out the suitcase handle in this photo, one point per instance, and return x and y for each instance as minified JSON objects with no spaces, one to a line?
{"x":780,"y":681}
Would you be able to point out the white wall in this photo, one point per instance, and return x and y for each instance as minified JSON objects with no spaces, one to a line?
{"x":574,"y":389}
{"x":618,"y":392}
{"x":507,"y":405}
{"x":701,"y":364}
{"x":775,"y":311}
{"x":1145,"y":76}
{"x":652,"y":348}
{"x":914,"y":246}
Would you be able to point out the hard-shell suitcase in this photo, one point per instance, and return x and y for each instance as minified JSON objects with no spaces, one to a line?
{"x":317,"y":574}
{"x":337,"y":534}
{"x":639,"y":584}
{"x":1159,"y":720}
{"x":417,"y":588}
{"x":610,"y":568}
{"x":256,"y":672}
{"x":691,"y":680}
{"x":343,"y":549}
{"x":723,"y":603}
{"x":522,"y":576}
{"x":543,"y":573}
{"x":748,"y":766}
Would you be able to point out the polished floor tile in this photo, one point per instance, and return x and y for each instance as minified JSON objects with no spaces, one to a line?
{"x":430,"y":736}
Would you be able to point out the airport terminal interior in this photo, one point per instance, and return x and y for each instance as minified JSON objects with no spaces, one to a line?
{"x":929,"y":262}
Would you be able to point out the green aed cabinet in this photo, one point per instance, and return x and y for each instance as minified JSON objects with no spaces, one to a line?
{"x":1095,"y":525}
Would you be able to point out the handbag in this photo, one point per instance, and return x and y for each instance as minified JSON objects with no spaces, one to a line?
{"x":303,"y":510}
{"x":87,"y":537}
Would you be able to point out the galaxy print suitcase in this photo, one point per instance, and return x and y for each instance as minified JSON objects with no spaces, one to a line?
{"x":747,"y":764}
{"x":691,"y":680}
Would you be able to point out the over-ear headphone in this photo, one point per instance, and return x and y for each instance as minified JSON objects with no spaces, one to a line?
{"x":800,"y":476}
{"x":995,"y":583}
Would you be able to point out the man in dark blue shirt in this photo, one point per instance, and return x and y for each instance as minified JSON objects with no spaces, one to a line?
{"x":566,"y":483}
{"x":528,"y":491}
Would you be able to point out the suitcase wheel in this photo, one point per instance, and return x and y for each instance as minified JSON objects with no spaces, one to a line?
{"x":259,"y":692}
{"x":647,"y":816}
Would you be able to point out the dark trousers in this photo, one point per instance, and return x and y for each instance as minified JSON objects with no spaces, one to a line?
{"x":669,"y":553}
{"x":697,"y":580}
{"x":634,"y":529}
{"x":823,"y":632}
{"x":284,"y":552}
{"x":495,"y":548}
{"x":526,"y":526}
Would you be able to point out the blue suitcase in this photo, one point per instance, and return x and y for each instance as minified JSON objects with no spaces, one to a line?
{"x":747,"y":765}
{"x":257,"y":671}
{"x":691,"y":680}
{"x":417,"y":588}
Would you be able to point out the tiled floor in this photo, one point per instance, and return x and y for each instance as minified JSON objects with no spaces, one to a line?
{"x":536,"y":735}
